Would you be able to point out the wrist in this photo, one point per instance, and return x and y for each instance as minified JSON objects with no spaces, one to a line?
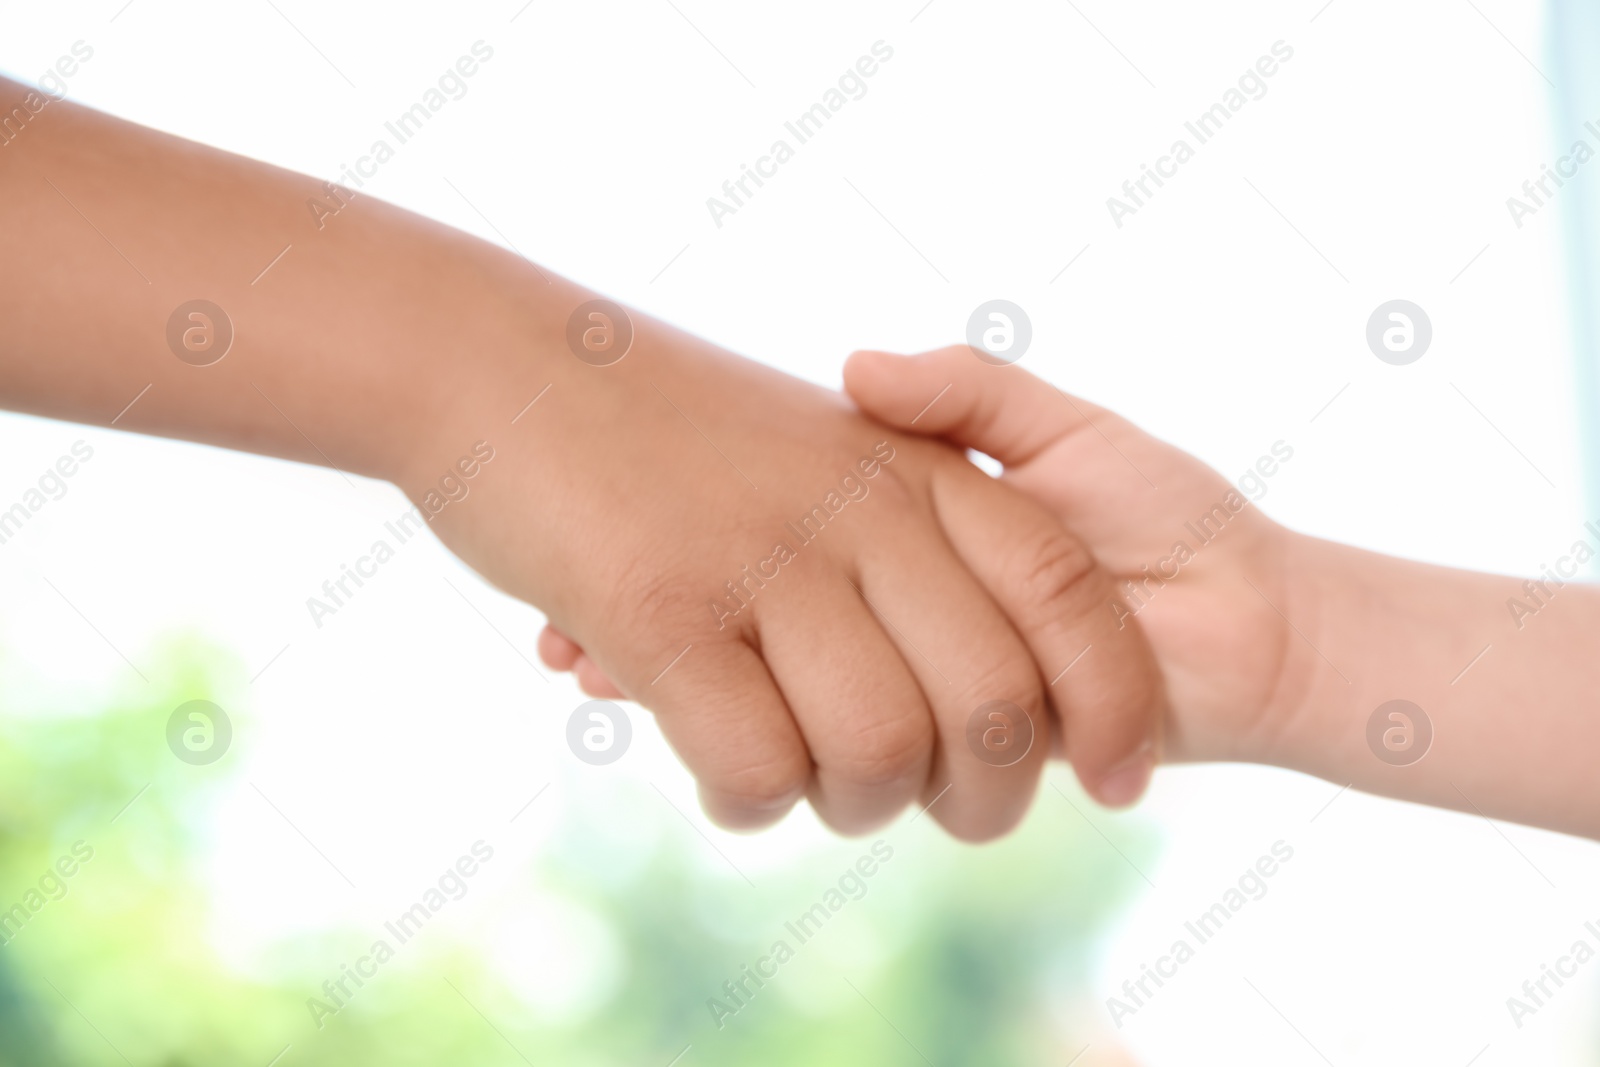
{"x":479,"y":388}
{"x":1367,"y":629}
{"x":1293,"y":717}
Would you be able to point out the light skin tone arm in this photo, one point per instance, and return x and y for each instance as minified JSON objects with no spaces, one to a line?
{"x":639,"y":504}
{"x":1277,"y":647}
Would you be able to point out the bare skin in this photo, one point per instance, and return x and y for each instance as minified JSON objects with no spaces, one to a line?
{"x":1276,"y":647}
{"x":628,"y":503}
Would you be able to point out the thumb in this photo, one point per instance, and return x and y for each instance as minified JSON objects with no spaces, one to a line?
{"x":1002,"y":411}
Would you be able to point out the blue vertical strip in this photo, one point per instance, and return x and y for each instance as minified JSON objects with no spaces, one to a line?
{"x":1574,"y":50}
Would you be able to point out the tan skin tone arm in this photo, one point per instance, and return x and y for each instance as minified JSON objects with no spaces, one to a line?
{"x":624,"y":505}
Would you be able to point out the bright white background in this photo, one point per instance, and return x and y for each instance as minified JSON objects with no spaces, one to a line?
{"x":405,"y":728}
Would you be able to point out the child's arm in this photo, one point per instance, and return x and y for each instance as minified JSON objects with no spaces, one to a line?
{"x":638,"y":494}
{"x":1280,"y":648}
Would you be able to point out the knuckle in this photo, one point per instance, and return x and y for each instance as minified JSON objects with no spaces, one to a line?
{"x":886,"y":749}
{"x":1055,"y":574}
{"x":1014,"y":678}
{"x":643,"y":593}
{"x":656,"y":596}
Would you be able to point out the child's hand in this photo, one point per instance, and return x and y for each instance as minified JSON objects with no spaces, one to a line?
{"x":1203,"y":573}
{"x":1280,"y":648}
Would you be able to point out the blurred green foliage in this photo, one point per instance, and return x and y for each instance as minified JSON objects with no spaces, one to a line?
{"x":953,"y":955}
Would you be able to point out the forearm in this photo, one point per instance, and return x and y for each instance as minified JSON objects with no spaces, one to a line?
{"x":645,"y":506}
{"x":1510,"y":696}
{"x":380,"y":343}
{"x":347,"y":351}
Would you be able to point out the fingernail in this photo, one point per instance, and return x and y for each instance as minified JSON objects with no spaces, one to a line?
{"x":1127,"y":783}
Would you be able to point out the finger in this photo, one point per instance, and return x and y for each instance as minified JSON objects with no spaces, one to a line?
{"x":971,"y":666}
{"x":860,"y":709}
{"x":1124,"y":492}
{"x":562,"y":653}
{"x":1003,"y":411}
{"x":1100,"y":672}
{"x":722,"y":714}
{"x":558,"y":651}
{"x":593,"y":681}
